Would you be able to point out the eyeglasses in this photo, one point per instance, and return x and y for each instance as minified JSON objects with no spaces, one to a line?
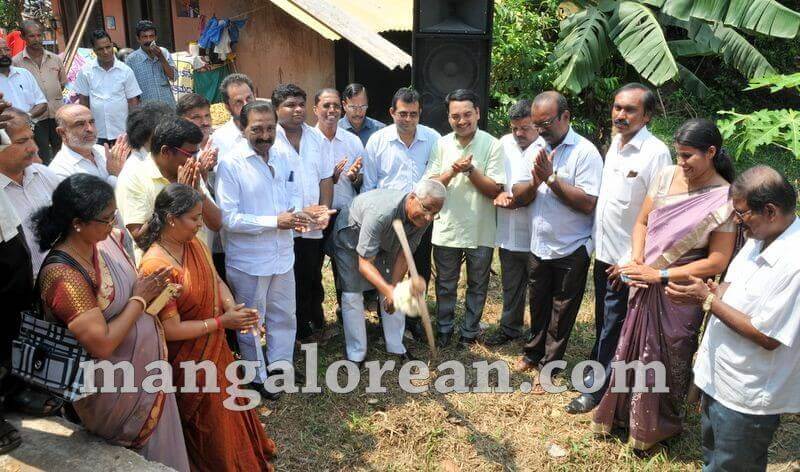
{"x":110,"y":222}
{"x":357,"y":107}
{"x":547,"y":123}
{"x":185,"y":152}
{"x":741,"y":214}
{"x":428,"y":211}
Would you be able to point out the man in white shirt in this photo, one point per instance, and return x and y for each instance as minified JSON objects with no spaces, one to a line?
{"x":139,"y":127}
{"x":108,"y":87}
{"x":19,"y":86}
{"x":28,"y":185}
{"x":258,"y":194}
{"x":80,"y":152}
{"x":396,"y":158}
{"x":562,"y":190}
{"x":633,"y":162}
{"x":237,"y":90}
{"x":313,"y":170}
{"x":514,"y":224}
{"x":345,"y":150}
{"x":748,"y":364}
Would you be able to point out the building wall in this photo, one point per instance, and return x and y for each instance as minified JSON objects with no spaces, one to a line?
{"x":115,"y":8}
{"x":273,"y":46}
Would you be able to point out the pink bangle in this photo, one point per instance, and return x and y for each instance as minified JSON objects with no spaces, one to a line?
{"x":219,"y":322}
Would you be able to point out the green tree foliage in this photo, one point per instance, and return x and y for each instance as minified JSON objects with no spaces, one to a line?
{"x":766,"y":127}
{"x":10,"y":13}
{"x":524,"y":36}
{"x":656,"y":37}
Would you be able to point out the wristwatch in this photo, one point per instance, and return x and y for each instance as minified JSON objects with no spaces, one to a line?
{"x":707,"y":303}
{"x":552,"y":178}
{"x":469,"y":171}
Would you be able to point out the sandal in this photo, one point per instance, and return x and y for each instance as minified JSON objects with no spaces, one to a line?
{"x":36,"y":402}
{"x":537,"y":388}
{"x":10,"y":438}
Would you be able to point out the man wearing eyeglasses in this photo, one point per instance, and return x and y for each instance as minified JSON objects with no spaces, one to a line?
{"x":80,"y":152}
{"x":562,"y":190}
{"x":355,"y":119}
{"x":514,"y":225}
{"x":396,"y":157}
{"x":469,"y":162}
{"x":173,"y":158}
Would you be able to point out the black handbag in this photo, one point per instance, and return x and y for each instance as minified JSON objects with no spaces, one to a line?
{"x":46,"y":354}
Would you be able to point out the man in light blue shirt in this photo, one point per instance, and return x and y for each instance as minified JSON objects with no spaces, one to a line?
{"x":152,"y":65}
{"x":355,"y":103}
{"x":257,"y":192}
{"x":396,"y":158}
{"x":563,"y":188}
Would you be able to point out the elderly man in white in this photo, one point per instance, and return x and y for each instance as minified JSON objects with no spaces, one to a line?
{"x":632,"y":163}
{"x":748,"y":364}
{"x":80,"y":152}
{"x":257,"y":193}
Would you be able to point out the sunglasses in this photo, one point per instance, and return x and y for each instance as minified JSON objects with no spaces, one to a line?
{"x":186,"y":153}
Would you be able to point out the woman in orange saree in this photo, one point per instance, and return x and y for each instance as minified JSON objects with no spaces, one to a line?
{"x":217,"y":438}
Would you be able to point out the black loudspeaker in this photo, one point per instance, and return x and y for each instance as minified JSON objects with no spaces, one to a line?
{"x":452,"y":45}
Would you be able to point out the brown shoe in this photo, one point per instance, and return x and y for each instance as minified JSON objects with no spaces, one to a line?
{"x":522,"y":365}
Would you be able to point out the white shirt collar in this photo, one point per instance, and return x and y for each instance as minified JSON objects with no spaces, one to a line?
{"x":636,"y":142}
{"x":781,"y":246}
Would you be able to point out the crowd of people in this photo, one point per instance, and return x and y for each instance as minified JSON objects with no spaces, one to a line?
{"x":108,"y":201}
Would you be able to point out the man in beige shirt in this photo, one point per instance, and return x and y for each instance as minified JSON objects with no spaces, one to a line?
{"x":49,"y":72}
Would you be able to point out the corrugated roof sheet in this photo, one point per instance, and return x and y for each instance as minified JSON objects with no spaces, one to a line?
{"x":381,"y":15}
{"x":334,"y":22}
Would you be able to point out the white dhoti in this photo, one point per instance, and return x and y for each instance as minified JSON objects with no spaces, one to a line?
{"x":273,"y":297}
{"x":355,"y":328}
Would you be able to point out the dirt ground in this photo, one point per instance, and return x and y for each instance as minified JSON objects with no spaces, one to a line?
{"x":399,"y":431}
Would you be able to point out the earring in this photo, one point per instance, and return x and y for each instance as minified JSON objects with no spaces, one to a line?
{"x":172,"y":223}
{"x":77,"y":229}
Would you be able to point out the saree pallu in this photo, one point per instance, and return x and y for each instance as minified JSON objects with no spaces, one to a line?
{"x":145,"y":422}
{"x":658,"y":330}
{"x":217,"y":439}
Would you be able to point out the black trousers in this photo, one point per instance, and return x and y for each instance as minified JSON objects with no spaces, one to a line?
{"x":556,"y":292}
{"x":16,"y":293}
{"x":47,"y":139}
{"x":610,"y":309}
{"x":309,"y":293}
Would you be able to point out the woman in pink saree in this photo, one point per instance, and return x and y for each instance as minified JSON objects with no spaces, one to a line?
{"x":89,"y":283}
{"x":685,"y":228}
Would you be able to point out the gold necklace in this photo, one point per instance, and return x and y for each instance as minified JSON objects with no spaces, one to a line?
{"x":77,"y":253}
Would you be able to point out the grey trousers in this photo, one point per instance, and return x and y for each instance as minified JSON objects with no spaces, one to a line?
{"x":515,"y":274}
{"x":448,"y":271}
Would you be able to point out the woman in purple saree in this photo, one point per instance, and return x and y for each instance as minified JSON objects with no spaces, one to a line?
{"x":685,"y":229}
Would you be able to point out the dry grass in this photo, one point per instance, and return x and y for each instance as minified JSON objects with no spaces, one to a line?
{"x":467,"y":432}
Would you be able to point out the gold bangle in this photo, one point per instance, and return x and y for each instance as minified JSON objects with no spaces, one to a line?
{"x":205,"y":326}
{"x":140,"y":300}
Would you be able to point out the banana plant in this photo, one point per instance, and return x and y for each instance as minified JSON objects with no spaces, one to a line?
{"x":636,"y":30}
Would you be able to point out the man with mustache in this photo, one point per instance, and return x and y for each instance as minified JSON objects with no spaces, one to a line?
{"x":632,"y":162}
{"x":345,"y":150}
{"x":313,"y":171}
{"x":469,"y":162}
{"x":258,"y":196}
{"x":562,"y":190}
{"x":748,"y":364}
{"x":51,"y":76}
{"x":355,"y":119}
{"x":237,"y":90}
{"x":80,"y":152}
{"x":108,"y":87}
{"x":19,"y":87}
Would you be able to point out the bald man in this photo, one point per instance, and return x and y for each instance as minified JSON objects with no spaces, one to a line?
{"x":80,"y":152}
